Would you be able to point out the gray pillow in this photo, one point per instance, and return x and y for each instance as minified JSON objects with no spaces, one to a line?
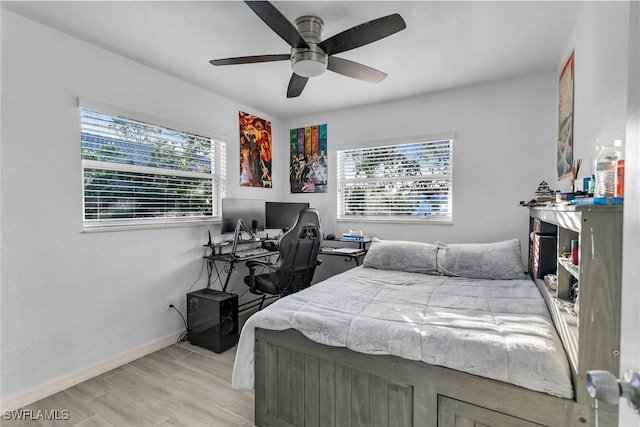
{"x":499,"y":260}
{"x":413,"y":257}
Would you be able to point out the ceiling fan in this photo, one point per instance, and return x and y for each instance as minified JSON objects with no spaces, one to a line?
{"x":310,"y":56}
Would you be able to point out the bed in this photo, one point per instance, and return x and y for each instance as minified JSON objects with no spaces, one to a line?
{"x":419,"y":335}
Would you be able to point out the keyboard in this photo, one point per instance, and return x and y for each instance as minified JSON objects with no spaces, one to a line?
{"x":247,"y":253}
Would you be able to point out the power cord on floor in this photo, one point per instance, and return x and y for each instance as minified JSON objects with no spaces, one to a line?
{"x":183,"y":336}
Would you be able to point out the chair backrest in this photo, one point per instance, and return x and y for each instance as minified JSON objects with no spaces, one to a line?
{"x":299,"y":248}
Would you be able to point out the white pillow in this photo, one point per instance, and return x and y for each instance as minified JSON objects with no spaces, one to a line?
{"x":499,"y":260}
{"x":401,"y":255}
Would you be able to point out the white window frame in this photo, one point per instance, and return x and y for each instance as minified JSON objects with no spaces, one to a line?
{"x":429,"y":213}
{"x":217,"y":176}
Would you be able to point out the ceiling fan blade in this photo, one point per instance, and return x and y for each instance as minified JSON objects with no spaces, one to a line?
{"x":278,"y":23}
{"x":250,"y":59}
{"x":355,"y":70}
{"x":363,"y":34}
{"x":296,"y":84}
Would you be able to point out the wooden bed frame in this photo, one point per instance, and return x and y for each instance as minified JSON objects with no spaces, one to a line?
{"x":302,"y":383}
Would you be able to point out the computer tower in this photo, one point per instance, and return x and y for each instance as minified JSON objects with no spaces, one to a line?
{"x":212,"y":319}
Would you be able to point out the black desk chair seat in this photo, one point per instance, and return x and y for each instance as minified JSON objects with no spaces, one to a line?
{"x":297,"y":261}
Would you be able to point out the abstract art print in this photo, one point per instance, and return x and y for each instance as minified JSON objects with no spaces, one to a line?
{"x":255,"y":151}
{"x":308,"y":167}
{"x":565,"y":118}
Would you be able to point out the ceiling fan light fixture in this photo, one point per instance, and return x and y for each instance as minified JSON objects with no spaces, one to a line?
{"x":311,"y":61}
{"x":308,"y":63}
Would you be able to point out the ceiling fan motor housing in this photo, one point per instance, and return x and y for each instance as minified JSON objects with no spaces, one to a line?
{"x":312,"y":61}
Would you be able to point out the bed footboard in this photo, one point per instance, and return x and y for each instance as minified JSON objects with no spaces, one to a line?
{"x":301,"y":383}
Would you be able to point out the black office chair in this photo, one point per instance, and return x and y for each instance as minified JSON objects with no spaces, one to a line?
{"x":294,"y":269}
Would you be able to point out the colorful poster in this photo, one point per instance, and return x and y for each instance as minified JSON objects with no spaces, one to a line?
{"x":255,"y":151}
{"x":565,"y":118}
{"x":308,"y":167}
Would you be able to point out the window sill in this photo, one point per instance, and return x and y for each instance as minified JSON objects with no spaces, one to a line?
{"x":430,"y":221}
{"x":101,"y":228}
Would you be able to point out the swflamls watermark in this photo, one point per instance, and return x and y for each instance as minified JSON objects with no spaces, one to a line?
{"x":36,"y":414}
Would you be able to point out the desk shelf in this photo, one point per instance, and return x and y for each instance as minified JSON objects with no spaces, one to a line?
{"x":350,"y":253}
{"x":229,"y":260}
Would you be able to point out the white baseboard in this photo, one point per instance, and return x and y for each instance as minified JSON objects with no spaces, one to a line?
{"x":63,"y":382}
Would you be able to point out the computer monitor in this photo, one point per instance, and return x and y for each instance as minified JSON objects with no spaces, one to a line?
{"x":282,"y":215}
{"x":250,"y":211}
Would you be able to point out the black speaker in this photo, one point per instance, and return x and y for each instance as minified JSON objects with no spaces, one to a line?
{"x":212,"y":319}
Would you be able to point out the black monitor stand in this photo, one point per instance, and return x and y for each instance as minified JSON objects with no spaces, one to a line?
{"x":237,"y":236}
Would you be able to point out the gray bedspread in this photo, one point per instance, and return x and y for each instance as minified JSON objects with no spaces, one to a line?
{"x":499,"y":329}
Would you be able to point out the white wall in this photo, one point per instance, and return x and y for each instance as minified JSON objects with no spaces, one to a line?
{"x":600,"y":41}
{"x":504,"y":148}
{"x":72,"y":299}
{"x":604,"y":103}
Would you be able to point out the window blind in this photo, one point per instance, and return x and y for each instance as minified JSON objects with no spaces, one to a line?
{"x":140,"y":173}
{"x":396,"y":183}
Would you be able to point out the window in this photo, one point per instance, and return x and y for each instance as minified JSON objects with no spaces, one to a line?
{"x":137,"y":173}
{"x":396,"y":183}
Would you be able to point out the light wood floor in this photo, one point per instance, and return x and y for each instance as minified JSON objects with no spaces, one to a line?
{"x":180,"y":385}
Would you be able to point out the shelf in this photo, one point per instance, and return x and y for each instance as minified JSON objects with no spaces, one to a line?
{"x":591,"y":337}
{"x":572,"y":268}
{"x":566,"y":323}
{"x":568,"y":330}
{"x":348,"y":251}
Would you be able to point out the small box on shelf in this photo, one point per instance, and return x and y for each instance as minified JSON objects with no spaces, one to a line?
{"x":348,"y":238}
{"x":542,"y":254}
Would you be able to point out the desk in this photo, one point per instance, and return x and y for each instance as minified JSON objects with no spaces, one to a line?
{"x":349,"y":253}
{"x":229,"y":263}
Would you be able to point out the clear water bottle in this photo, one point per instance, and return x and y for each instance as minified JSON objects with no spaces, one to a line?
{"x":606,"y":164}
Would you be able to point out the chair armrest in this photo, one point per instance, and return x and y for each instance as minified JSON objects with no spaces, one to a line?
{"x":252,"y":264}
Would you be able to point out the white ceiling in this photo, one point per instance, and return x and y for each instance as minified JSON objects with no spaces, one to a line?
{"x":446,"y":44}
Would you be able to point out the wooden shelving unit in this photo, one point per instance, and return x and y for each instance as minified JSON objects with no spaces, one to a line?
{"x":598,"y":230}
